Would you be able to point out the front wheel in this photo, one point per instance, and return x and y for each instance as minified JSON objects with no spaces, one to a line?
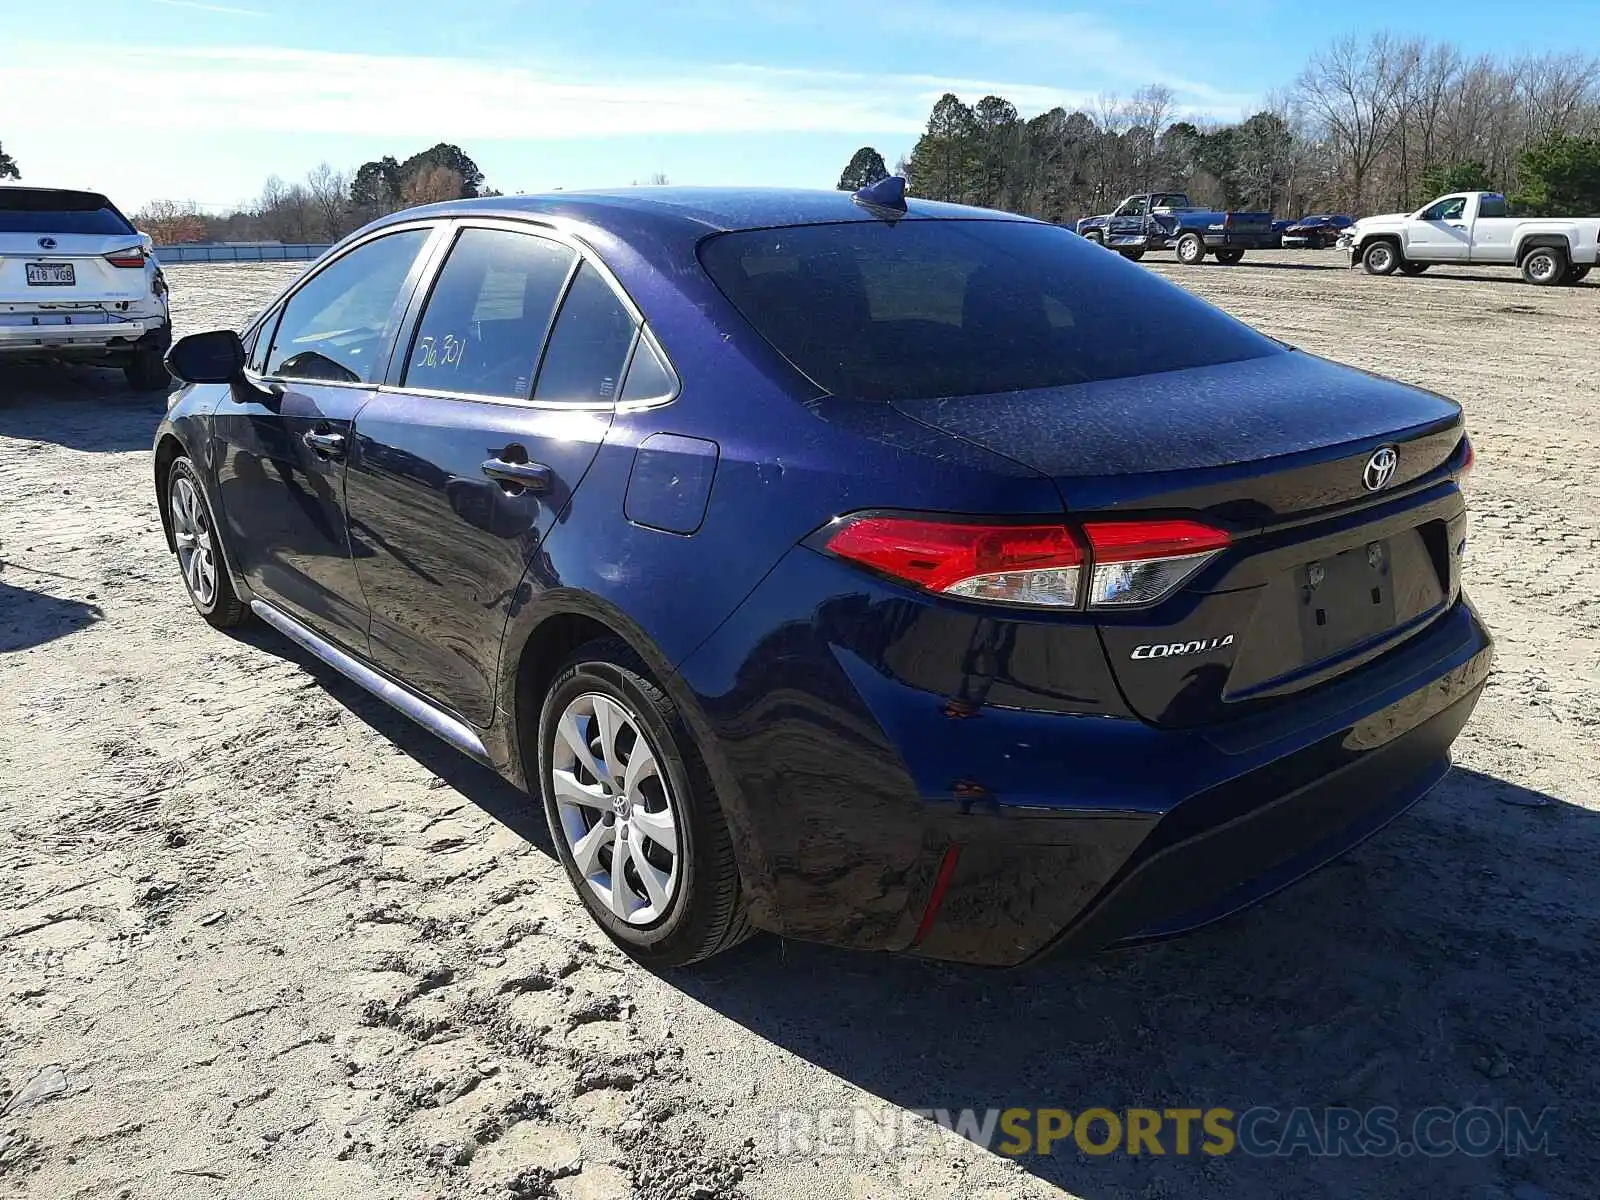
{"x":1544,"y":266}
{"x":1191,"y":250}
{"x":146,"y":372}
{"x":1407,"y":267}
{"x":1229,"y":256}
{"x":1133,"y":255}
{"x":1095,"y":236}
{"x":194,"y":538}
{"x":1381,"y":258}
{"x":633,"y":813}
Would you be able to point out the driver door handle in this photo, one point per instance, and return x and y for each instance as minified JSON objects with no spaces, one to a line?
{"x":331,"y":444}
{"x":535,"y":477}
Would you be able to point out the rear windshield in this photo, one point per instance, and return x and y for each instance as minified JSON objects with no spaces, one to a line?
{"x":23,"y":211}
{"x":919,"y":309}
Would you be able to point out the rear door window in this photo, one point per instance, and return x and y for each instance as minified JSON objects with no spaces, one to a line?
{"x":928,"y":308}
{"x":487,"y":318}
{"x":589,"y":345}
{"x":336,"y":327}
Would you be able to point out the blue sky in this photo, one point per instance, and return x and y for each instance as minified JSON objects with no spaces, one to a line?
{"x":201,"y":99}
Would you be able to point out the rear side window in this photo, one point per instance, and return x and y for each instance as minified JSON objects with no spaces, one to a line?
{"x":27,"y":211}
{"x":920,"y":309}
{"x":589,"y":345}
{"x":487,"y":317}
{"x":336,"y":327}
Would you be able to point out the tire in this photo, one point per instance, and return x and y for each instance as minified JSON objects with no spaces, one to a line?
{"x":697,"y":910}
{"x":1381,"y":258}
{"x":1131,"y":255}
{"x":146,"y":372}
{"x":1576,"y":273}
{"x":1544,"y":266}
{"x":1191,"y":250}
{"x":1095,"y":236}
{"x":1407,"y":267}
{"x":199,"y":550}
{"x":1229,"y":257}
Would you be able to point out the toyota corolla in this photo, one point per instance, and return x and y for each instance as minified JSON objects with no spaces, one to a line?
{"x":881,"y":572}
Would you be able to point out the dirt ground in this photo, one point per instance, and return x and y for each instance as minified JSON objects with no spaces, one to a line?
{"x":260,"y":937}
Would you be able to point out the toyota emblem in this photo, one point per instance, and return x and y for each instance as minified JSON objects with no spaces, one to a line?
{"x":47,"y":243}
{"x":1380,"y":468}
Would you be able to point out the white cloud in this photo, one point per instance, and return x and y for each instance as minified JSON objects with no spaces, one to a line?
{"x":240,"y":90}
{"x":226,"y":9}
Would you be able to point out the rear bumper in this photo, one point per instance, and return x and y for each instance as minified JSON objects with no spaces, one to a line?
{"x":848,"y":789}
{"x":86,"y":337}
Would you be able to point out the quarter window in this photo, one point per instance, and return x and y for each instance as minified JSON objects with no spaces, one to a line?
{"x":589,"y":345}
{"x":336,"y":328}
{"x":488,"y":315}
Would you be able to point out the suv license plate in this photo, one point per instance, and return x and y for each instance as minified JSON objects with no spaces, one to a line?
{"x":51,"y":275}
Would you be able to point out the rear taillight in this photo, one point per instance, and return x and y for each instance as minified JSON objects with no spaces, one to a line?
{"x":1139,"y":562}
{"x":1011,"y":564}
{"x":131,"y":257}
{"x":1469,"y":458}
{"x":1109,"y":564}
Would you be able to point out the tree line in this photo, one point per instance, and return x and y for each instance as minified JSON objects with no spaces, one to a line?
{"x":326,"y":205}
{"x":1373,"y":124}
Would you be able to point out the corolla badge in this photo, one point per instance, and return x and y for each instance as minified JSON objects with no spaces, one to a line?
{"x":1380,"y":468}
{"x":47,"y":243}
{"x":1174,"y":649}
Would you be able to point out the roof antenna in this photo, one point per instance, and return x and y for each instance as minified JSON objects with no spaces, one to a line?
{"x":887,"y":197}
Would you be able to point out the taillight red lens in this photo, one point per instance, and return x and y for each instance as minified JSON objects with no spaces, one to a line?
{"x":1129,"y":563}
{"x":1131,"y":541}
{"x":1018,"y":564}
{"x":127,"y":258}
{"x":1470,"y":460}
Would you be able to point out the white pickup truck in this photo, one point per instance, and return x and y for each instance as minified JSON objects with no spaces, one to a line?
{"x":1474,"y":228}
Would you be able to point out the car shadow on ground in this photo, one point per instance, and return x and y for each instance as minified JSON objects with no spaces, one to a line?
{"x":31,"y":618}
{"x":82,"y":408}
{"x":1429,"y":967}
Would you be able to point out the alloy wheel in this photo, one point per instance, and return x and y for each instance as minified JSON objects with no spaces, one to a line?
{"x":618,"y":814}
{"x":191,"y":533}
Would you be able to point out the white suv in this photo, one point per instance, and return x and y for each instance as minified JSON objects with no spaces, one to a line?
{"x":79,"y":284}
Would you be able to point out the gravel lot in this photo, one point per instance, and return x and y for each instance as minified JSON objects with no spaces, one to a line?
{"x":259,"y":937}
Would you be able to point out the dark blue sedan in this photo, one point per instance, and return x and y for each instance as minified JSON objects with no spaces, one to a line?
{"x":897,"y":575}
{"x":1316,"y":232}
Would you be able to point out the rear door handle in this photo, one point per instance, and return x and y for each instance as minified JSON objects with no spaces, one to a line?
{"x":535,"y":477}
{"x":331,"y":444}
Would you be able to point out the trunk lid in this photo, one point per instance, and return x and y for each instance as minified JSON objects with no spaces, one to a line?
{"x":1324,"y":573}
{"x":74,"y":270}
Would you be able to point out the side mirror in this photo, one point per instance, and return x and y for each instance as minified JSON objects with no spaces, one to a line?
{"x":215,"y":357}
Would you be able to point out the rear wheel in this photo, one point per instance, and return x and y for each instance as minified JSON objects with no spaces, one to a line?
{"x":1544,"y":266}
{"x":1380,"y":258}
{"x":146,"y":372}
{"x":200,"y":561}
{"x":1407,"y":267}
{"x":1575,"y":273}
{"x":1191,"y":249}
{"x":633,"y":813}
{"x":1133,"y":255}
{"x":1229,"y":256}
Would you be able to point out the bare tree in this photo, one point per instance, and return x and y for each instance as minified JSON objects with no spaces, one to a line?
{"x":330,"y":190}
{"x":1353,"y":89}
